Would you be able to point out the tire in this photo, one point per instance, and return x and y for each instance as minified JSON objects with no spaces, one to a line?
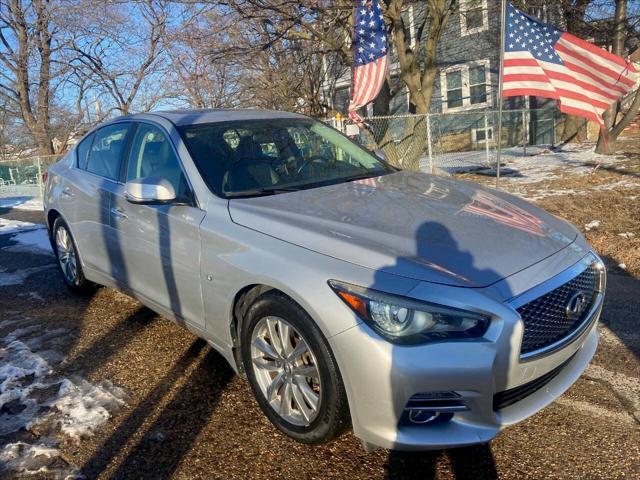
{"x":68,"y":259}
{"x":299,"y":420}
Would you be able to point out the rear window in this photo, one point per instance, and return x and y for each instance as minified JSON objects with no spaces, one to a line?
{"x":83,"y":151}
{"x":107,"y":149}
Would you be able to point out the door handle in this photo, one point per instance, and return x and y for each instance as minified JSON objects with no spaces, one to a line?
{"x":67,"y":192}
{"x":119,"y":214}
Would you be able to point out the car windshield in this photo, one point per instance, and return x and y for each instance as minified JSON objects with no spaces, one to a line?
{"x":253,"y":158}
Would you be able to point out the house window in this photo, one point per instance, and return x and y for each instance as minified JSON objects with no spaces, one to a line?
{"x":454,"y":89}
{"x":473,"y":16}
{"x":480,"y":134}
{"x":466,"y":86}
{"x":477,"y":85}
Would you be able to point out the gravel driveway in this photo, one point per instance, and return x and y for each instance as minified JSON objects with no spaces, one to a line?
{"x":146,"y":399}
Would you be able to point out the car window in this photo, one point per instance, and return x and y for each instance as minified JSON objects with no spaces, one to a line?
{"x":153,"y":156}
{"x":108,"y":145}
{"x":262,"y":156}
{"x":83,"y":151}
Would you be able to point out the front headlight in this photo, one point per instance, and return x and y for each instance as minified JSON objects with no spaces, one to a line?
{"x":406,"y":321}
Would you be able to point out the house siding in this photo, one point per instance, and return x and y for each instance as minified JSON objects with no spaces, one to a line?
{"x":457,"y":49}
{"x":454,"y":49}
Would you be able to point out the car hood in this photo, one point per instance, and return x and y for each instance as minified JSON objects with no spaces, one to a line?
{"x":420,"y":226}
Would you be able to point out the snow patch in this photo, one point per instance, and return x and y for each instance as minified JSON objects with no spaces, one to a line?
{"x":592,"y":224}
{"x":19,"y":276}
{"x":31,"y":241}
{"x":22,"y":203}
{"x":42,"y":457}
{"x":536,"y":165}
{"x":84,"y":407}
{"x":29,"y":237}
{"x":8,"y":226}
{"x":31,"y":393}
{"x":627,"y":235}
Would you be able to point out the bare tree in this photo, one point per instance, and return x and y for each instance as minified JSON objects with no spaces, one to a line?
{"x":121,"y":49}
{"x":616,"y":120}
{"x":26,"y":49}
{"x":328,"y":26}
{"x":196,"y":76}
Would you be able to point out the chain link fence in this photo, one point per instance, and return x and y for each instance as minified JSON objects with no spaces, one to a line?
{"x":454,"y":142}
{"x":21,"y":178}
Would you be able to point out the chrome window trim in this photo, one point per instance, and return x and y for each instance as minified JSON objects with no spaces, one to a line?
{"x":556,"y":282}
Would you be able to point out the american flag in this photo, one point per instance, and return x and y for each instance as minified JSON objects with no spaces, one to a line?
{"x":370,"y":56}
{"x":543,"y":61}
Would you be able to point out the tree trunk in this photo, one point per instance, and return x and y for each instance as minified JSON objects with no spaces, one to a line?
{"x":609,"y":133}
{"x":43,"y":141}
{"x":606,"y":145}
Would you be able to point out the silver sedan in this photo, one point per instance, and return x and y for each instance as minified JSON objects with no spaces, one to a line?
{"x":425,"y":312}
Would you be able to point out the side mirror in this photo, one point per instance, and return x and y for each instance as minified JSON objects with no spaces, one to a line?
{"x":149,"y":190}
{"x":381,"y":155}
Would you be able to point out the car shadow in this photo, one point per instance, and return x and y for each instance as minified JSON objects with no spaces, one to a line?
{"x":475,"y":462}
{"x":170,"y":437}
{"x":128,"y":426}
{"x":469,"y":462}
{"x":110,"y":343}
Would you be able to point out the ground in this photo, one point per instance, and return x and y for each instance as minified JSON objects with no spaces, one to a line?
{"x":102,"y":387}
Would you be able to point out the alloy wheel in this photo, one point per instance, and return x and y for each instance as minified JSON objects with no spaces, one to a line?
{"x":286,"y":370}
{"x":66,"y":255}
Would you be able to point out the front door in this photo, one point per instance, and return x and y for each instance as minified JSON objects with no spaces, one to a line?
{"x":160,"y":243}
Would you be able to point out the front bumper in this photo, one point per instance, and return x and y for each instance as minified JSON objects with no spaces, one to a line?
{"x":380,"y":378}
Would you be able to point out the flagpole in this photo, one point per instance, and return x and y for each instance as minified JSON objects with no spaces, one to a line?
{"x":503,"y":16}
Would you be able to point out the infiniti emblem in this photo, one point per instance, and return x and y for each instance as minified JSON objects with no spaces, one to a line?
{"x":576,"y":305}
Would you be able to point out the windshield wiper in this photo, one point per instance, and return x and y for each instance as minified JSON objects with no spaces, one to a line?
{"x":260,"y":191}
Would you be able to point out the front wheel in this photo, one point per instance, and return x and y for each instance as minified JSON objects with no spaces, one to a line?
{"x":292,"y":371}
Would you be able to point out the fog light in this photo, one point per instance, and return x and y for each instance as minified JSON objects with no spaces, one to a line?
{"x":417,"y":417}
{"x":422,"y":416}
{"x":428,"y":408}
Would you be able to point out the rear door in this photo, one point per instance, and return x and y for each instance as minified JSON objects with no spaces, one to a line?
{"x":160,"y":244}
{"x":86,"y":198}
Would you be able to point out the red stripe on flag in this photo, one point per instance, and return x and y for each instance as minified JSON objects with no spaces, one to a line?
{"x":590,"y":47}
{"x":562,"y":93}
{"x":525,"y":77}
{"x":597,"y":80}
{"x":587,"y":86}
{"x":615,"y":76}
{"x":521,"y":62}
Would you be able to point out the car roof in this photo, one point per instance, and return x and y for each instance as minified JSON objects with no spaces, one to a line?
{"x":193,"y":117}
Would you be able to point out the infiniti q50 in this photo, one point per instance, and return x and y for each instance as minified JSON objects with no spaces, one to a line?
{"x":423,"y":311}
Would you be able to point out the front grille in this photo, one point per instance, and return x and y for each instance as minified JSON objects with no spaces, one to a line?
{"x":509,"y":397}
{"x":545,"y":318}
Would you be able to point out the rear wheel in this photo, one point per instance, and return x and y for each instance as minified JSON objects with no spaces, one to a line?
{"x":292,"y":371}
{"x":68,"y":260}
